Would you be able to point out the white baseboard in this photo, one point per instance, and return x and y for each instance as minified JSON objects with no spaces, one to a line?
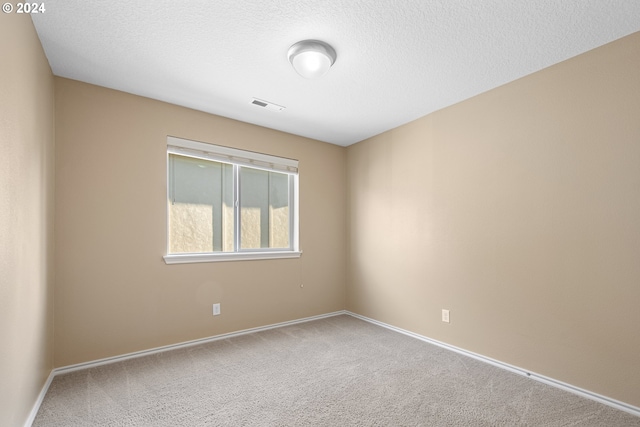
{"x":550,"y":381}
{"x":633,"y":410}
{"x":108,"y":360}
{"x":36,"y":405}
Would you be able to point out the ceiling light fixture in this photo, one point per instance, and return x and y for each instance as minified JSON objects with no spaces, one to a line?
{"x":311,"y":58}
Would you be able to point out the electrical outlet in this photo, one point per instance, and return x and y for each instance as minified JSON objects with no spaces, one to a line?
{"x":216,"y":309}
{"x":445,"y":315}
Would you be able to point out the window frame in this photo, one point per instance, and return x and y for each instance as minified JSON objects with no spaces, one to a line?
{"x":238,"y":158}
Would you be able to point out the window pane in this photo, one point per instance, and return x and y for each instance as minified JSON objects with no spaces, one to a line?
{"x":200,"y":205}
{"x":264,"y":209}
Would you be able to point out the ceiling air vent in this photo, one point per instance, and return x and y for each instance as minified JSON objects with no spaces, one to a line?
{"x":266,"y":104}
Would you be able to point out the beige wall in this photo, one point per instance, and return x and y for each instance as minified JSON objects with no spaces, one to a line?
{"x":26,"y":218}
{"x":114,"y":293}
{"x":518,"y":210}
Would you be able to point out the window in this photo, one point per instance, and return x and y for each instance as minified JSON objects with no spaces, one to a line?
{"x":226,"y":204}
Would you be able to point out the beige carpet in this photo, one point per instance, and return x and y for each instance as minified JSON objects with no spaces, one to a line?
{"x":338,"y":371}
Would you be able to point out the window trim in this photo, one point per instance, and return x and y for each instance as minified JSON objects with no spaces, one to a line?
{"x":189,"y":258}
{"x":238,"y":158}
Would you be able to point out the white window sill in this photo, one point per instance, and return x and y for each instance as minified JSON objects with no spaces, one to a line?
{"x":229,"y":256}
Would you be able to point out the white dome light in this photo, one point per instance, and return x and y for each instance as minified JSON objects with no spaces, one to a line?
{"x":311,"y":58}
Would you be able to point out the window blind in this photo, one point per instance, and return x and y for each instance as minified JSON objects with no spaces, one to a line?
{"x":202,"y":150}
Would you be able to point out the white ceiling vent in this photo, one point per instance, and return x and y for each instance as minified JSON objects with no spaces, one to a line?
{"x":266,"y":104}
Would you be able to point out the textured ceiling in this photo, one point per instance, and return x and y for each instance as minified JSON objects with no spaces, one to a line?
{"x":397,"y":60}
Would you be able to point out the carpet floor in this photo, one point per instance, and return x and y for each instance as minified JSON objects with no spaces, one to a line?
{"x":337,"y":371}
